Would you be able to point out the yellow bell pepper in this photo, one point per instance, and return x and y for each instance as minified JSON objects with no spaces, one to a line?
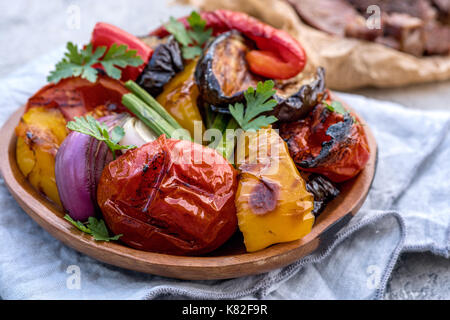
{"x":272,"y":202}
{"x":179,"y":98}
{"x":39,"y":135}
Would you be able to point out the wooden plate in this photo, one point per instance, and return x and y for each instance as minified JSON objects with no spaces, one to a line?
{"x":229,"y":261}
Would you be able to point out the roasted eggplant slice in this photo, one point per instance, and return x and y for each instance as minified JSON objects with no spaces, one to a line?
{"x":223,"y":75}
{"x":297,"y":97}
{"x":323,"y":191}
{"x":166,"y":61}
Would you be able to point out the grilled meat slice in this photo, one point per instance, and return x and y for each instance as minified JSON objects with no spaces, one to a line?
{"x":336,"y":17}
{"x":443,"y":8}
{"x":407,"y":30}
{"x":437,"y":39}
{"x":421,"y":9}
{"x":417,"y":27}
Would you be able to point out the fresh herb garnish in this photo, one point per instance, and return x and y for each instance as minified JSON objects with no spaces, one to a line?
{"x":100,"y":131}
{"x":337,"y":107}
{"x":257,"y":103}
{"x":79,"y":63}
{"x":94,"y":227}
{"x":179,"y":31}
{"x":193,"y":39}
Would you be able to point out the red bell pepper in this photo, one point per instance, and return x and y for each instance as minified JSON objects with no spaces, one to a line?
{"x":105,"y":34}
{"x":76,"y":96}
{"x":338,"y":153}
{"x":280,"y":56}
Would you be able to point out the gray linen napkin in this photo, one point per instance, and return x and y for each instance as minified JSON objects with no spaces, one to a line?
{"x":408,"y":209}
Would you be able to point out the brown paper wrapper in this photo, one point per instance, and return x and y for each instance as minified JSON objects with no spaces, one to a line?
{"x":349,"y":63}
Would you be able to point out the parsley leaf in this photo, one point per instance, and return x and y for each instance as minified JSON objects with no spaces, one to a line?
{"x":191,"y":52}
{"x":191,"y":40}
{"x":94,"y":227}
{"x":79,"y":63}
{"x":77,"y":224}
{"x":198,"y":33}
{"x":119,"y":56}
{"x":257,"y":102}
{"x":100,"y":131}
{"x":196,"y":21}
{"x":337,"y":107}
{"x":179,"y":31}
{"x":99,"y":230}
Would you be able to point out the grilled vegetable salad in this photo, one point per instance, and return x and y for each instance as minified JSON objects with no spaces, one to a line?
{"x":173,"y":142}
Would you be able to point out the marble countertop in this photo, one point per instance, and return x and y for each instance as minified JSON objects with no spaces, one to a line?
{"x":30,"y":28}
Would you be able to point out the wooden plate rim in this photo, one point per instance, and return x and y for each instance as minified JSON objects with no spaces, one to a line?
{"x":193,"y":268}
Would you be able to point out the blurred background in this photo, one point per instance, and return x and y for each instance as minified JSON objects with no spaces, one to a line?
{"x":30,"y":28}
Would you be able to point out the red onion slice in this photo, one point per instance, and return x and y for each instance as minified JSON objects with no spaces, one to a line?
{"x":79,"y":164}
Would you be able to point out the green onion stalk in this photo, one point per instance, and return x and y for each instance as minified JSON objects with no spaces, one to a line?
{"x":149,"y":111}
{"x":156,"y":117}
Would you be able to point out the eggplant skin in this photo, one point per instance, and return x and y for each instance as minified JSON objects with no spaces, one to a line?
{"x":300,"y":104}
{"x":223,"y":75}
{"x":165,"y":63}
{"x":323,"y":191}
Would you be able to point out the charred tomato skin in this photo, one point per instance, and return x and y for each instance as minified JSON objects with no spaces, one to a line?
{"x":163,"y":202}
{"x":327,"y":143}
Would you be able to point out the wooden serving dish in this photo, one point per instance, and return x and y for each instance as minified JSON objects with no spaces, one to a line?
{"x":229,"y":261}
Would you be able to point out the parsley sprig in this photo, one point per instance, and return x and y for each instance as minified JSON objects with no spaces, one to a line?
{"x":337,"y":107}
{"x":100,"y":131}
{"x":94,"y":227}
{"x":80,"y":63}
{"x":192,"y":39}
{"x":257,"y":102}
